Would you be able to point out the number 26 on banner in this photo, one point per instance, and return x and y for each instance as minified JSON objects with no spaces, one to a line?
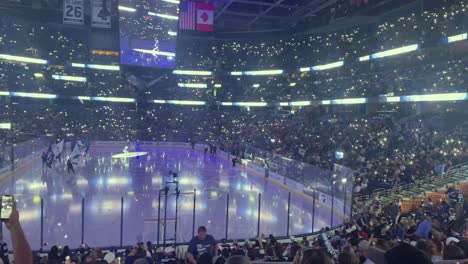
{"x":73,"y":12}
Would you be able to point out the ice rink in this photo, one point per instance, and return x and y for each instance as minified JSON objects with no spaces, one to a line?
{"x":114,"y":194}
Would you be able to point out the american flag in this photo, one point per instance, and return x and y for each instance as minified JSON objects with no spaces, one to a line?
{"x":188,"y":10}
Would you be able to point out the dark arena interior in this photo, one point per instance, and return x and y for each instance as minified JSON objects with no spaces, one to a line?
{"x":233,"y":131}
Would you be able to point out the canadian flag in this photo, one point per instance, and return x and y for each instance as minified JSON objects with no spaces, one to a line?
{"x":205,"y":17}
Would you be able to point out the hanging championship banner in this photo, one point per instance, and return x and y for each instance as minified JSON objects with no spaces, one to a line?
{"x":73,"y":12}
{"x":101,"y":13}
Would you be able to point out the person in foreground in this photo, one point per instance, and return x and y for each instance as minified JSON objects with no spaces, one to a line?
{"x":202,"y":245}
{"x":21,"y":250}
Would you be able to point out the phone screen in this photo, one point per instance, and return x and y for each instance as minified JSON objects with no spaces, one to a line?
{"x":7,"y":204}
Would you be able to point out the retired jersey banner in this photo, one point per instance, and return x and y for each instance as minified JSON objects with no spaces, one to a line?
{"x":101,"y":13}
{"x":73,"y":12}
{"x":205,"y":16}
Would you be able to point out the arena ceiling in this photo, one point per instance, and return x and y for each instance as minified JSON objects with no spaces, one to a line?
{"x":266,"y":15}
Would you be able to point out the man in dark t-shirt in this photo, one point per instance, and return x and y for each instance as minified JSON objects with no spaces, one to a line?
{"x":200,"y":244}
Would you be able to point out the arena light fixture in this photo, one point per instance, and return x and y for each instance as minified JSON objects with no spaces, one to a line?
{"x":78,"y":65}
{"x":264,"y":72}
{"x":113,"y":99}
{"x":193,"y":85}
{"x":34,"y":95}
{"x":292,"y":84}
{"x":458,"y":37}
{"x":325,"y":102}
{"x":4,"y":93}
{"x":218,"y":85}
{"x":172,"y":33}
{"x":255,"y":85}
{"x":96,"y":66}
{"x":38,"y":75}
{"x":300,"y":103}
{"x":69,"y":78}
{"x":84,"y":98}
{"x":185,"y":102}
{"x":103,"y":67}
{"x":226,"y":103}
{"x":350,"y":101}
{"x":253,"y":104}
{"x":22,"y":59}
{"x":159,"y":101}
{"x":5,"y":126}
{"x":156,"y":52}
{"x":435,"y":97}
{"x":364,"y":58}
{"x":389,"y":99}
{"x":172,"y":1}
{"x":128,"y":9}
{"x":165,"y":16}
{"x":393,"y":52}
{"x":191,"y":72}
{"x":236,"y":73}
{"x":323,"y":66}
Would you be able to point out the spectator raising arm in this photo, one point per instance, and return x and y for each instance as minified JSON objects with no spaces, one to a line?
{"x":21,"y":250}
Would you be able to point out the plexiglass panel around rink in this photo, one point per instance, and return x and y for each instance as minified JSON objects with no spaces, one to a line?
{"x":118,"y":196}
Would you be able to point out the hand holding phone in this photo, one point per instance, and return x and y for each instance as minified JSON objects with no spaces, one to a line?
{"x":7,"y":208}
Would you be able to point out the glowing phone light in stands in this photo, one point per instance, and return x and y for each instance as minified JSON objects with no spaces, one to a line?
{"x":128,"y":9}
{"x":34,"y":95}
{"x":456,"y":38}
{"x":113,"y":99}
{"x":185,"y":102}
{"x":394,"y":52}
{"x":5,"y":125}
{"x":435,"y":97}
{"x":193,"y":85}
{"x":156,"y":52}
{"x":190,"y":72}
{"x":256,"y":104}
{"x":38,"y":75}
{"x":350,"y":101}
{"x":255,"y":85}
{"x":69,"y":78}
{"x":22,"y":59}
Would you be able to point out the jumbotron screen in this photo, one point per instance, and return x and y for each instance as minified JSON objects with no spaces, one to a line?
{"x":148,"y":32}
